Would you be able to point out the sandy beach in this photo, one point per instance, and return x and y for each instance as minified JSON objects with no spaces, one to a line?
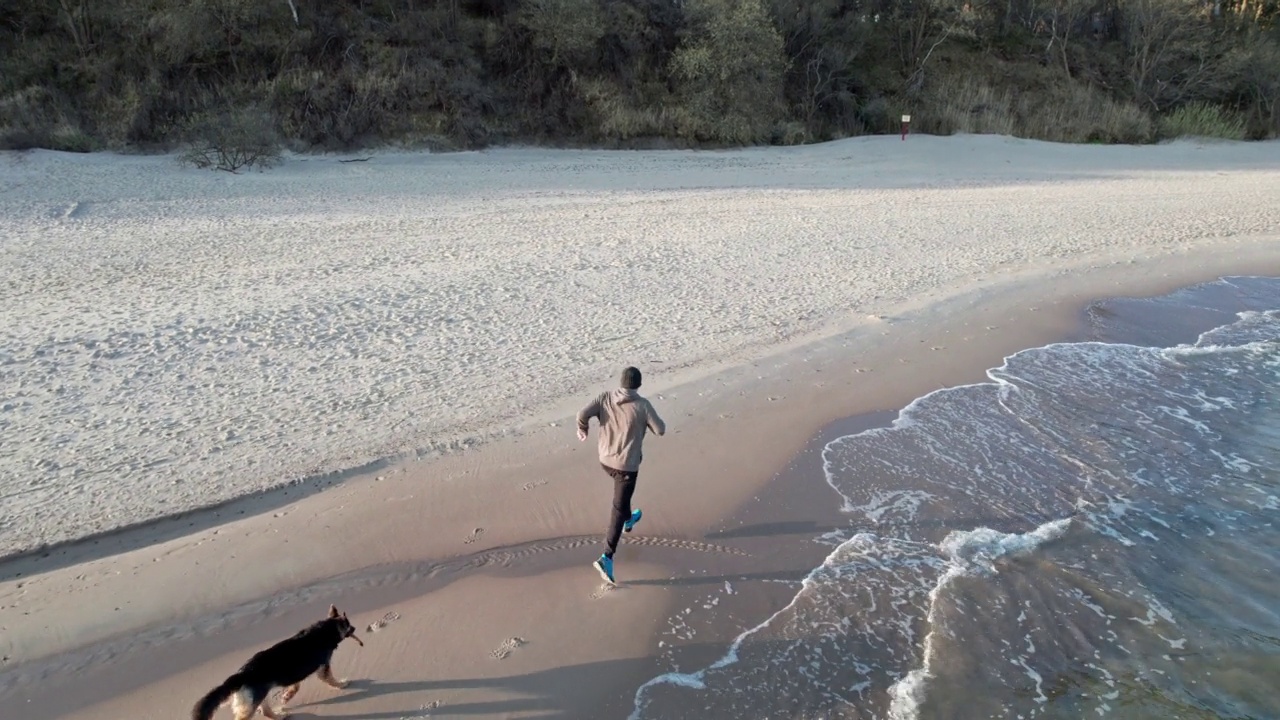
{"x":368,"y":370}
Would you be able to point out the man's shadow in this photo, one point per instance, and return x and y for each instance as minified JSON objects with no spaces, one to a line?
{"x":368,"y":687}
{"x":550,"y":694}
{"x":544,"y":707}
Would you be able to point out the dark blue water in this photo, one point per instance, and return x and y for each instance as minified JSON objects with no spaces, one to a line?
{"x":1090,"y":533}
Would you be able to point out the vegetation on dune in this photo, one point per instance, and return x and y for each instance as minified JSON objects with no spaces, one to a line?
{"x":442,"y":74}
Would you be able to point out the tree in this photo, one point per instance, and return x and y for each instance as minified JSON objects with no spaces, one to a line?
{"x":565,"y":30}
{"x":730,"y":67}
{"x":825,"y":40}
{"x":919,"y":27}
{"x":78,"y":20}
{"x":1260,"y":78}
{"x":1171,"y":52}
{"x":1061,"y":19}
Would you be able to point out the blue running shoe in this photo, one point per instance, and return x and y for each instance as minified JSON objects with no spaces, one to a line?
{"x":604,"y":566}
{"x":631,"y":523}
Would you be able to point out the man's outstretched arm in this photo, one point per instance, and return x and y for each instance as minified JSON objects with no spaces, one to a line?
{"x":654,"y":422}
{"x":592,"y":410}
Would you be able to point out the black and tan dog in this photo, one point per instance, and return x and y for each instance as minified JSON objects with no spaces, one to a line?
{"x":285,"y":664}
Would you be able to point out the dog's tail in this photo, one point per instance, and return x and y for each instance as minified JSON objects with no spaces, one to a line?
{"x":210,"y":703}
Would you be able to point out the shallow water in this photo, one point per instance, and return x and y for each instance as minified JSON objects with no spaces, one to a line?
{"x":1090,"y":533}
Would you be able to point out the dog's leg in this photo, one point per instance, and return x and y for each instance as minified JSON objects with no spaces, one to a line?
{"x":241,"y":705}
{"x":326,"y":675}
{"x":271,"y":714}
{"x":288,"y":694}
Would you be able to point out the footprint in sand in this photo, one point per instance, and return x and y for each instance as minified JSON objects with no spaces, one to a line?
{"x":604,"y":589}
{"x":423,"y":711}
{"x":506,"y":648}
{"x":386,"y":620}
{"x":533,"y":484}
{"x":474,"y":536}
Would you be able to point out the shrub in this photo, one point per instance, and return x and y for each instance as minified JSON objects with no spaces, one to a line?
{"x":1200,"y":119}
{"x":13,"y":138}
{"x":616,"y":118}
{"x":1074,"y":112}
{"x":70,"y":139}
{"x":232,"y":140}
{"x":33,"y":118}
{"x":1062,"y":111}
{"x":967,"y":106}
{"x":874,"y":114}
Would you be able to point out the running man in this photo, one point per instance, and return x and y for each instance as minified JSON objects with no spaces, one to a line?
{"x":624,"y":416}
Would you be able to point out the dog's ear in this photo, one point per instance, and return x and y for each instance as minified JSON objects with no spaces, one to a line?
{"x":333,"y":611}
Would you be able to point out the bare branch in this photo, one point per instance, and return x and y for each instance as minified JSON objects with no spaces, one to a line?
{"x":917,"y":78}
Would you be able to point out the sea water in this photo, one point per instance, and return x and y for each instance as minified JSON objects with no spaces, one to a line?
{"x":1090,"y":533}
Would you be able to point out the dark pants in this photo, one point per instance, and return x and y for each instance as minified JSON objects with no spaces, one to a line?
{"x":624,"y":485}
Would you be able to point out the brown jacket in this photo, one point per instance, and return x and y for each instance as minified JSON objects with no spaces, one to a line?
{"x":624,"y":417}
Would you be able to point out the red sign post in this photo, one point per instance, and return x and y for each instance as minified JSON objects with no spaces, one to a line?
{"x":906,"y":123}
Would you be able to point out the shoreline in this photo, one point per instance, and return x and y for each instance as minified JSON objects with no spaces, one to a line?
{"x":1029,"y":312}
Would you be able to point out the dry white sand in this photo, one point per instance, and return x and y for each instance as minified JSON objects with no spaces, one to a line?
{"x":173,"y":338}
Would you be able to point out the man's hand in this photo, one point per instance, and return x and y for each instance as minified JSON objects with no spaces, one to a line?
{"x":582,"y":435}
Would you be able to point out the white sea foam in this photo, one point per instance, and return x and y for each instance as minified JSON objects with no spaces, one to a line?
{"x":904,"y":503}
{"x":694,"y":680}
{"x":906,"y":695}
{"x":981,"y":547}
{"x":970,"y":552}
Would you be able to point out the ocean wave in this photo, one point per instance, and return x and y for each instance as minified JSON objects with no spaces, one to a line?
{"x":1140,"y":454}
